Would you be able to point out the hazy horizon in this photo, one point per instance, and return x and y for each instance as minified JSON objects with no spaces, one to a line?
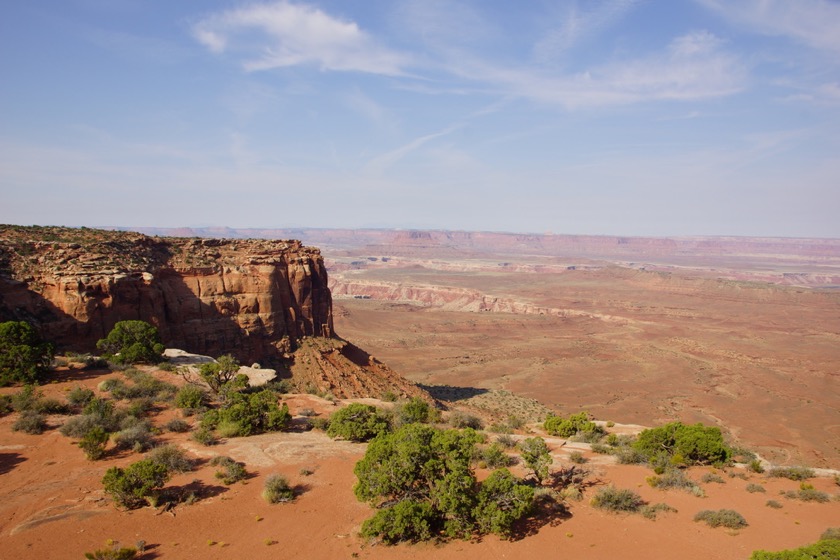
{"x":608,"y":117}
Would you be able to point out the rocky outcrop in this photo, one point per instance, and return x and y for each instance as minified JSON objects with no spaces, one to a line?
{"x":255,"y":299}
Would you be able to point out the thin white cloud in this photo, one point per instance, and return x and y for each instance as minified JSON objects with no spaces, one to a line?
{"x":813,"y":22}
{"x":578,"y":25}
{"x":380,"y":163}
{"x":297,"y":35}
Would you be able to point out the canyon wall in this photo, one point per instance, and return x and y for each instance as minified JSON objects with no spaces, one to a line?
{"x":252,"y":298}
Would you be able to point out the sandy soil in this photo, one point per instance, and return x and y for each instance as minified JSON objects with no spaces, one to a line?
{"x":52,"y":505}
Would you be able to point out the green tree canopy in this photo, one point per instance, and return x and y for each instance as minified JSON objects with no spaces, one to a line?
{"x":222,"y":374}
{"x":24,"y":357}
{"x":420,"y":479}
{"x":695,"y":444}
{"x":537,"y":457}
{"x":357,"y":422}
{"x":132,"y":342}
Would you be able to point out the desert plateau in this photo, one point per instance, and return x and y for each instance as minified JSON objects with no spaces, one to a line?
{"x":635,"y":341}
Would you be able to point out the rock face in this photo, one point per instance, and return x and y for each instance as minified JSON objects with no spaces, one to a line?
{"x":255,"y":299}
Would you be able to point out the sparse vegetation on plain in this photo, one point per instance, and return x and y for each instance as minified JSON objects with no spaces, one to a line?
{"x":825,"y":549}
{"x":617,"y":500}
{"x":728,"y":518}
{"x":135,"y":485}
{"x":277,"y":490}
{"x":791,"y":473}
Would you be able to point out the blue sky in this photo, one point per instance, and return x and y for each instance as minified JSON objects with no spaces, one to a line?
{"x":658,"y":117}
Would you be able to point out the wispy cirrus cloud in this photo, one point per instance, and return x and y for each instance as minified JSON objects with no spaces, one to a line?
{"x":813,"y":22}
{"x":296,"y":34}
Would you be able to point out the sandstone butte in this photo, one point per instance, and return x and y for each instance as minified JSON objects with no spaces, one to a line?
{"x":263,"y":301}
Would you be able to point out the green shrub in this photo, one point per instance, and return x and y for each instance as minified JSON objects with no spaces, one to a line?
{"x":205,"y":436}
{"x":113,"y":552}
{"x":24,"y":357}
{"x":172,"y":457}
{"x":80,"y":396}
{"x":420,"y":480}
{"x":228,"y":428}
{"x":792,"y":473}
{"x":574,"y":424}
{"x":133,"y":486}
{"x":27,"y":399}
{"x":30,"y":422}
{"x":132,"y":342}
{"x":222,"y":375}
{"x":684,"y":444}
{"x":494,"y":457}
{"x":177,"y":425}
{"x":821,"y":550}
{"x":728,"y":518}
{"x":230,"y":471}
{"x":537,"y":457}
{"x":93,"y":443}
{"x":501,"y":500}
{"x":755,"y":466}
{"x":753,"y":488}
{"x":415,"y":410}
{"x":277,"y":490}
{"x":506,"y":440}
{"x":615,"y":499}
{"x":5,"y":404}
{"x":357,"y":422}
{"x":254,"y":413}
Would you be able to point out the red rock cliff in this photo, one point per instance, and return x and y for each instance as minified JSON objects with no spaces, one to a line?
{"x":252,"y":298}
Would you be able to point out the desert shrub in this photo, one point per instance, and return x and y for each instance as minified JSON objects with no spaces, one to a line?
{"x":601,"y":449}
{"x":138,"y":408}
{"x":277,"y":490}
{"x":537,"y":458}
{"x":389,"y":396}
{"x":172,"y":457}
{"x":753,"y":488}
{"x":755,"y":466}
{"x":30,"y":422}
{"x":27,"y":399}
{"x":738,"y":474}
{"x":792,"y":473}
{"x":113,"y":551}
{"x":574,"y":424}
{"x":651,"y":512}
{"x":222,"y":375}
{"x":80,"y":396}
{"x":459,"y":419}
{"x":684,"y":444}
{"x":205,"y":436}
{"x":615,"y":499}
{"x":137,"y":437}
{"x":228,"y":428}
{"x":773,"y":504}
{"x":832,"y":533}
{"x":357,"y":422}
{"x":419,"y":478}
{"x":674,"y":478}
{"x":501,"y":500}
{"x":322,"y":424}
{"x":590,"y":436}
{"x":132,"y":342}
{"x":136,"y":484}
{"x":307,"y":412}
{"x":711,"y":477}
{"x":254,"y":413}
{"x":93,"y":443}
{"x":506,"y":440}
{"x":494,"y":457}
{"x":577,"y":457}
{"x":743,"y":455}
{"x":807,"y":493}
{"x":825,"y":549}
{"x":728,"y":518}
{"x":629,"y":456}
{"x":415,"y":410}
{"x":178,"y":425}
{"x":5,"y":404}
{"x":230,"y":471}
{"x":407,"y":520}
{"x":24,"y":357}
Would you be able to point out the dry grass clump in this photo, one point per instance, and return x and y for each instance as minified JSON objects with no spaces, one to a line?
{"x":617,"y":500}
{"x":792,"y":473}
{"x":277,"y":490}
{"x":728,"y":518}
